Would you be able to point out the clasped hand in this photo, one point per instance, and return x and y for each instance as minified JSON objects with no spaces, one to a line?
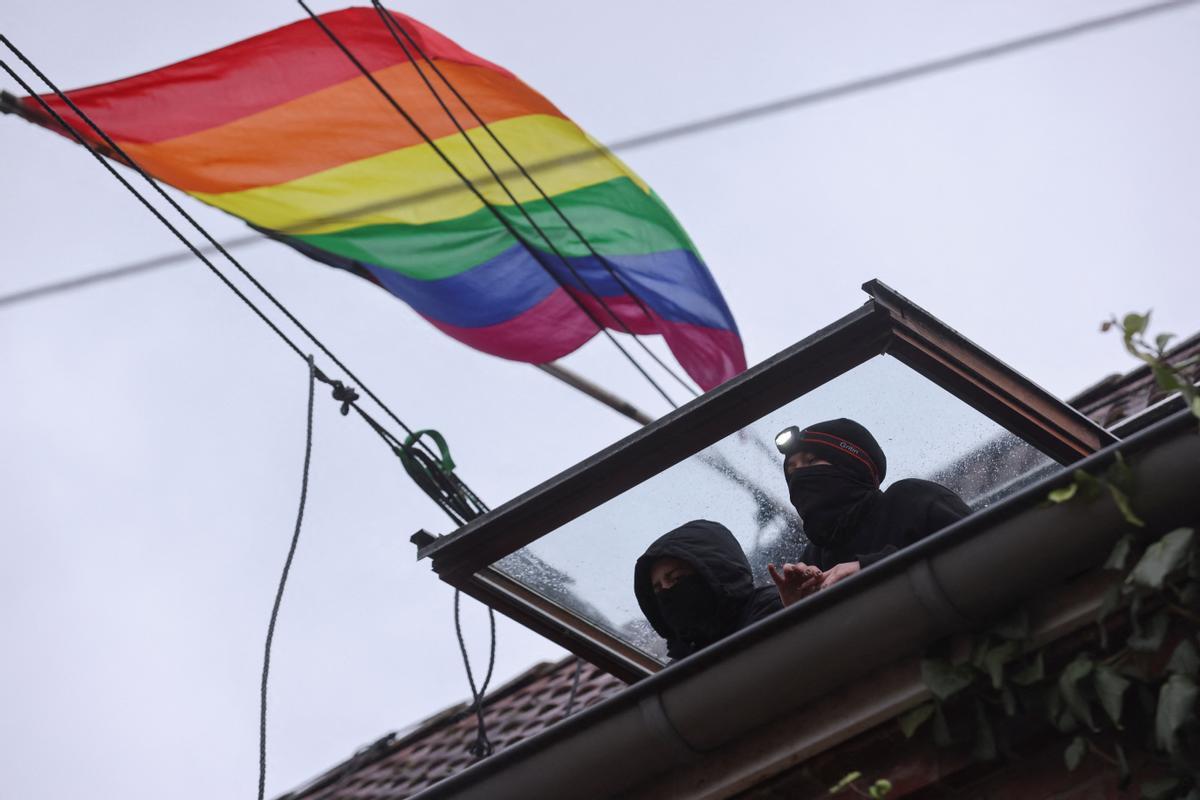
{"x":797,"y":581}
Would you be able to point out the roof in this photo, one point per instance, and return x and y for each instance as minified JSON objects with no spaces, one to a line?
{"x":400,"y":765}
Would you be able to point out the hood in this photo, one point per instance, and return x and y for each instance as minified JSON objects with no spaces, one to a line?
{"x":715,"y":555}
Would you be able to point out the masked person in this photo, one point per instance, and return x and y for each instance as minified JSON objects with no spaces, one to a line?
{"x":695,"y":587}
{"x":833,"y":472}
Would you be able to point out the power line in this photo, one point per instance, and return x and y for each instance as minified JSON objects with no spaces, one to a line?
{"x":684,"y":130}
{"x":348,"y":396}
{"x":397,"y":31}
{"x":499,"y":217}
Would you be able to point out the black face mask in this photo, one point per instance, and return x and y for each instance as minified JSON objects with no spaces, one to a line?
{"x":693,"y":610}
{"x":831,"y":502}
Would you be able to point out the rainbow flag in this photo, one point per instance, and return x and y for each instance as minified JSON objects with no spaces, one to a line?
{"x":283,"y":131}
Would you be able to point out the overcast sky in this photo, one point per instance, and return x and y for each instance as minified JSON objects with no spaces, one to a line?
{"x":151,"y":430}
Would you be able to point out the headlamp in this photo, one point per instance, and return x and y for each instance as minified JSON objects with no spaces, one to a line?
{"x":787,"y":441}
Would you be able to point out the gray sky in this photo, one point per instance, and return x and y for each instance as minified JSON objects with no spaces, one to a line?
{"x":152,"y":430}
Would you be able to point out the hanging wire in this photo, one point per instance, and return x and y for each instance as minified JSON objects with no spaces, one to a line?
{"x":456,"y":484}
{"x":125,"y":158}
{"x":397,"y":31}
{"x":482,"y":746}
{"x":574,"y":688}
{"x":670,"y":133}
{"x":287,"y":567}
{"x":503,"y":220}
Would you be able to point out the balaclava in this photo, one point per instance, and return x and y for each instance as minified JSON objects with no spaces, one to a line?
{"x":831,"y":499}
{"x":705,"y":606}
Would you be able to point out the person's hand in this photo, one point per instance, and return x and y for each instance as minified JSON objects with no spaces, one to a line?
{"x":795,"y":581}
{"x":837,"y":572}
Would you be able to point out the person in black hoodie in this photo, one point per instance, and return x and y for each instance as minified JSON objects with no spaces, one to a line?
{"x":834,"y":470}
{"x":695,"y":587}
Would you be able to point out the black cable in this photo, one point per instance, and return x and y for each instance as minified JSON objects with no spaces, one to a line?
{"x":121,"y":154}
{"x":116,"y":148}
{"x":503,"y":220}
{"x":287,"y":566}
{"x":397,"y":30}
{"x":574,"y":688}
{"x":692,"y":128}
{"x":482,"y":746}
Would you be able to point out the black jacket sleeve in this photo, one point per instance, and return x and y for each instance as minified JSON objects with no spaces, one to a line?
{"x":925,"y":509}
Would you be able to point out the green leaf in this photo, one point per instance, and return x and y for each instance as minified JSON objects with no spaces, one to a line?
{"x":1009,"y":698}
{"x":1166,"y":378}
{"x":1160,"y":558}
{"x":1089,"y":485}
{"x":1176,"y":705}
{"x":1122,"y":500}
{"x":1032,"y":672}
{"x":1110,"y":687}
{"x":1159,"y":788}
{"x":1063,"y":494}
{"x":941,"y":729}
{"x":1123,"y":771}
{"x":1135,"y":323}
{"x":1185,"y":660}
{"x":1150,"y":638}
{"x":1014,"y":627}
{"x":846,"y":780}
{"x":995,"y":659}
{"x":1075,"y":752}
{"x":1119,"y":557}
{"x":880,"y":788}
{"x":1162,"y":340}
{"x":985,"y":740}
{"x":912,"y":720}
{"x":1196,"y":406}
{"x":1068,"y":686}
{"x":945,"y":679}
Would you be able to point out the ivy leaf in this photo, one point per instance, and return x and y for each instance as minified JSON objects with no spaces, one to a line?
{"x":1032,"y":672}
{"x":1162,"y":340}
{"x":1068,"y":686}
{"x":1122,"y":500}
{"x":1123,"y":771}
{"x":1063,"y":494}
{"x":1176,"y":704}
{"x":846,"y":780}
{"x":1009,"y":699}
{"x":1185,"y":660}
{"x":1166,"y":378}
{"x":985,"y":739}
{"x":1196,"y":406}
{"x":879,"y":788}
{"x":1150,"y":638}
{"x":1119,"y":557}
{"x":1110,"y":687}
{"x":1075,"y":752}
{"x":912,"y":720}
{"x":1014,"y":627}
{"x":945,"y":679}
{"x":1135,"y":323}
{"x":941,"y":729}
{"x":1160,"y":558}
{"x":995,"y":659}
{"x":1159,"y":788}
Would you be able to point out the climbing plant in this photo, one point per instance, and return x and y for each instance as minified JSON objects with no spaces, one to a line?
{"x":1131,"y":702}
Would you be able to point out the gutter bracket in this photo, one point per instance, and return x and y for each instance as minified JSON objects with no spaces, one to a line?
{"x":933,"y":598}
{"x":655,"y":718}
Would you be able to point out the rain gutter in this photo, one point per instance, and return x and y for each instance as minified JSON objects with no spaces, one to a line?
{"x":961,"y":578}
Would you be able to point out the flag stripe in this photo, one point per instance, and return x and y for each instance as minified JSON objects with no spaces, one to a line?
{"x":340,"y":193}
{"x":334,"y":126}
{"x":617,"y":218}
{"x":268,"y":69}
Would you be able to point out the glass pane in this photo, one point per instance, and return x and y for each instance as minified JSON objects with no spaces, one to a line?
{"x":926,"y":432}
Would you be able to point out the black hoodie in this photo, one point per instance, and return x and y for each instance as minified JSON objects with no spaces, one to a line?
{"x":715,"y":555}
